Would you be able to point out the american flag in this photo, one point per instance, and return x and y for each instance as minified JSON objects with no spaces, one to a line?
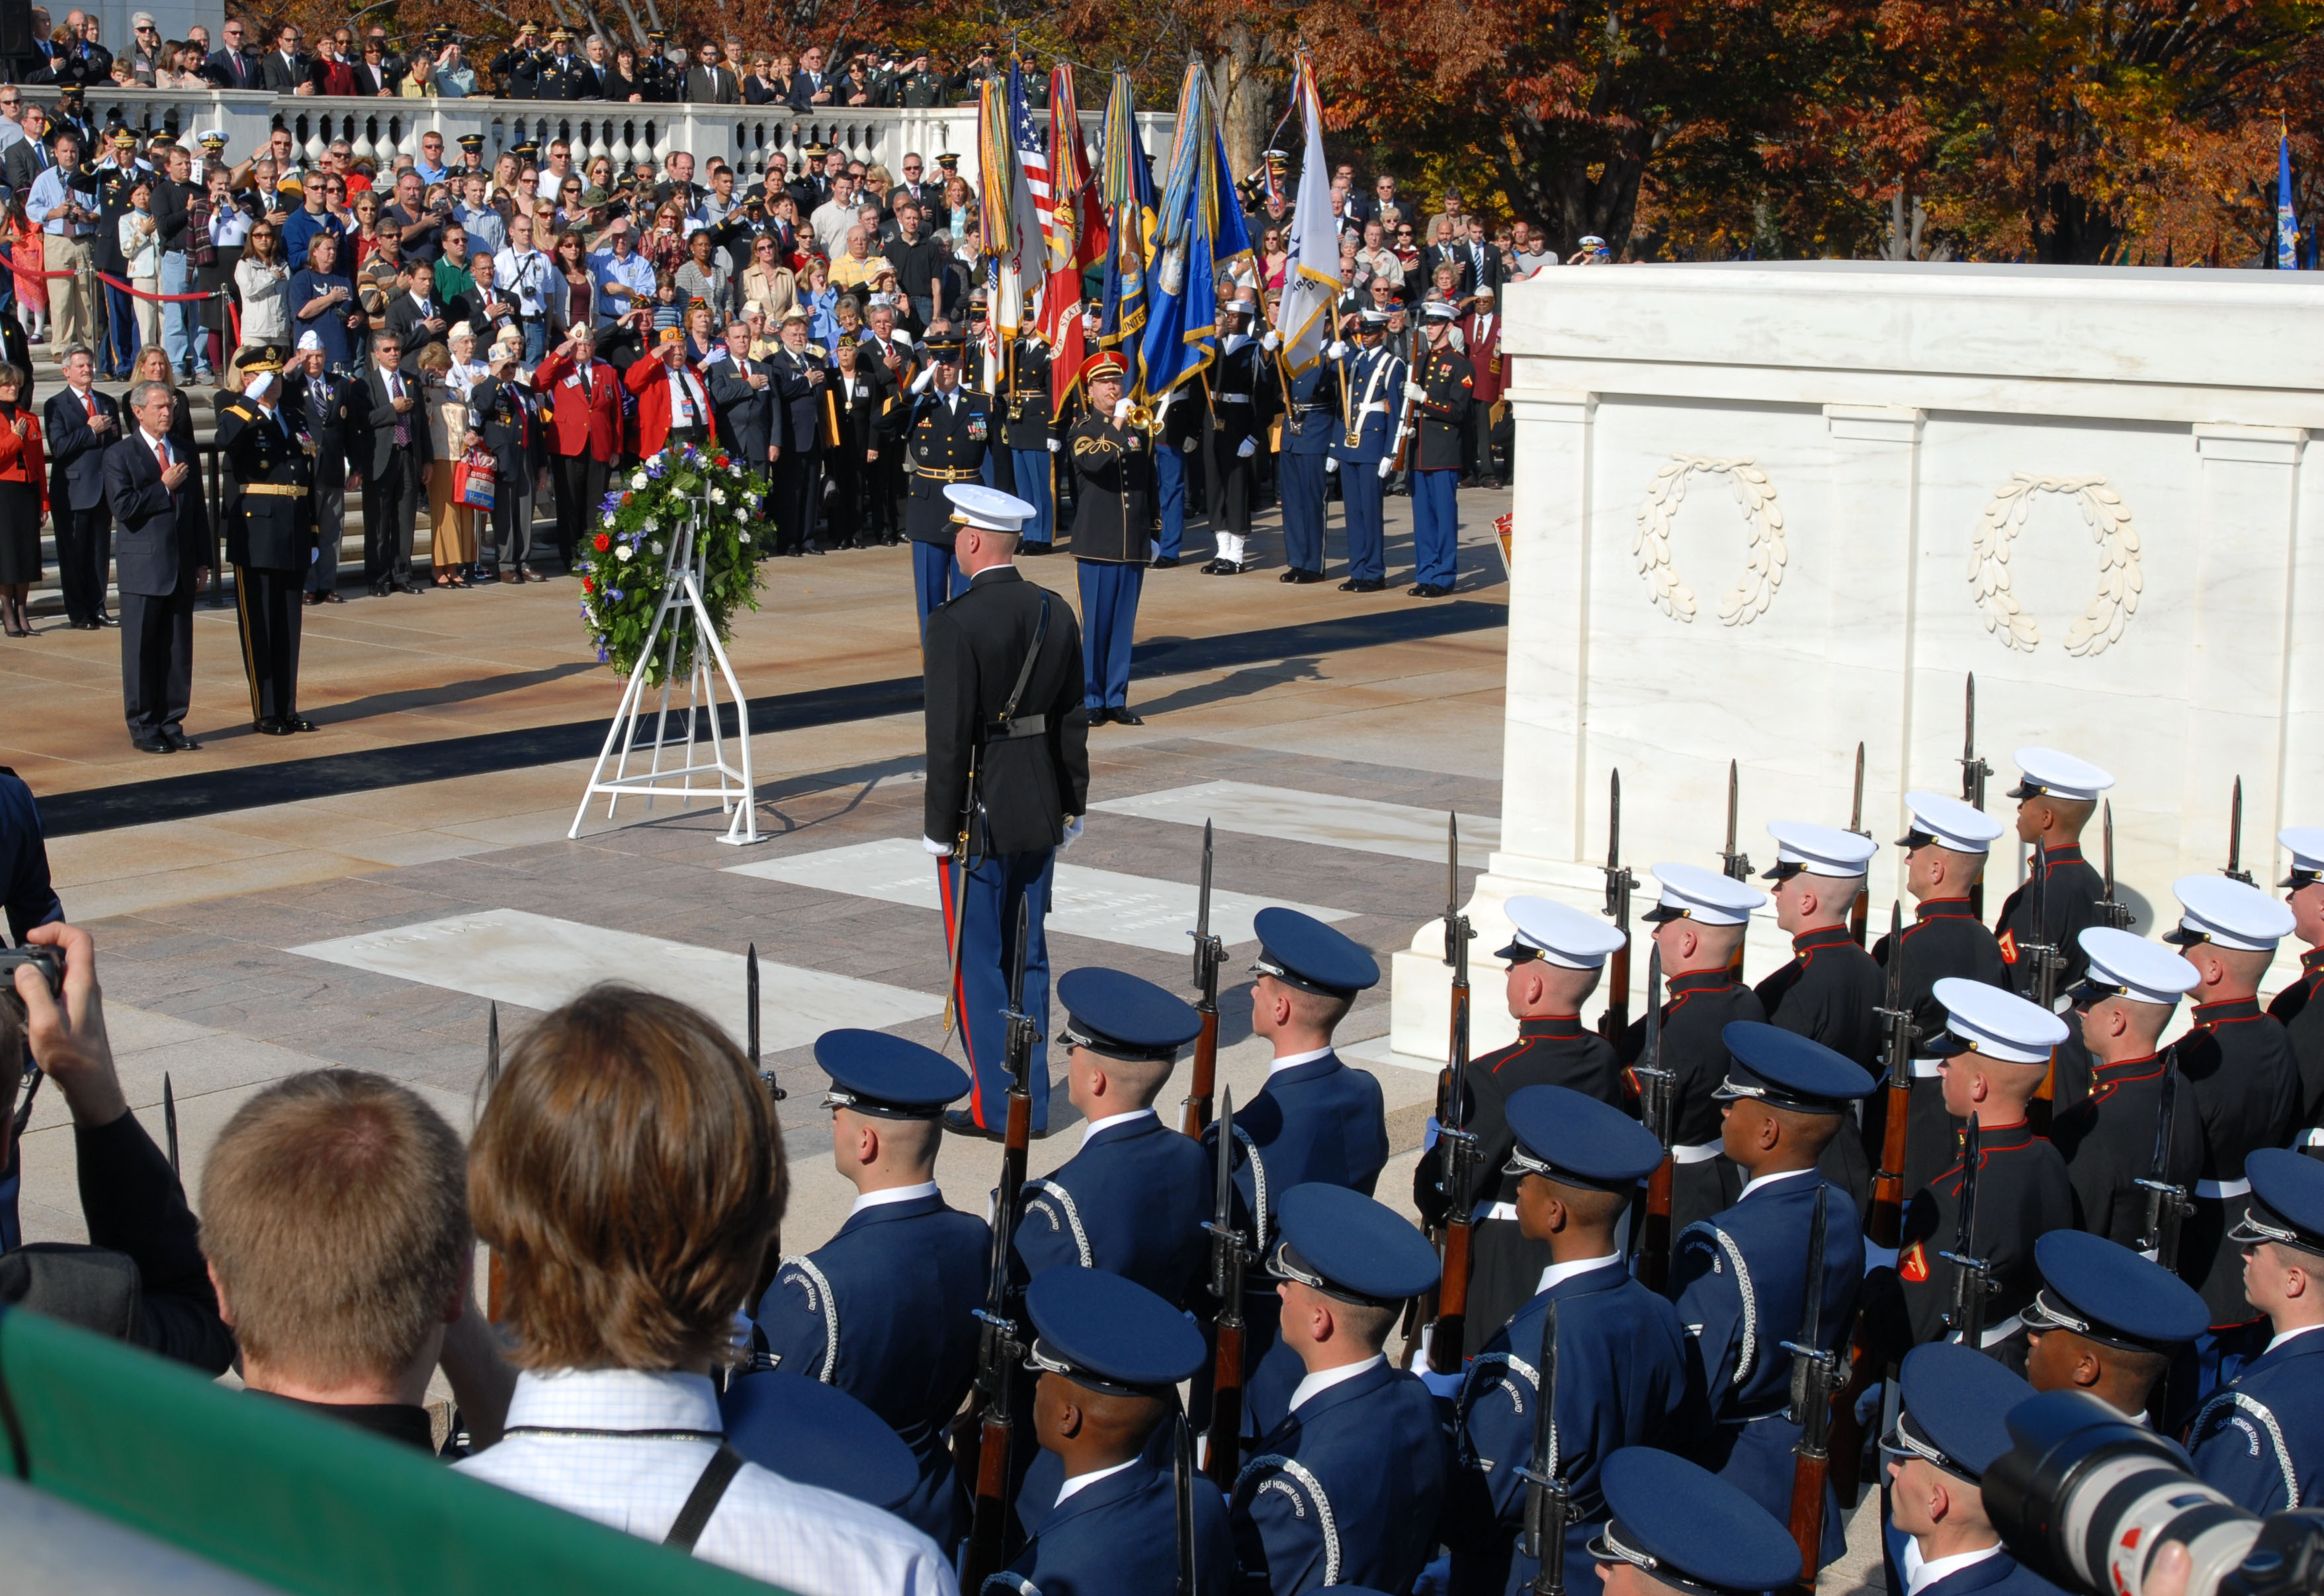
{"x":1031,"y":154}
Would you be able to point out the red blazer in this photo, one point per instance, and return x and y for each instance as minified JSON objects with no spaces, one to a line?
{"x":647,"y":381}
{"x":1485,"y":353}
{"x":581,"y":423}
{"x":20,"y":456}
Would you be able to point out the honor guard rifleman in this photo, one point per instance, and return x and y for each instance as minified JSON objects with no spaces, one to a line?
{"x":269,"y":537}
{"x":884,"y":1309}
{"x":1242,"y":386}
{"x":1132,"y":1201}
{"x":818,"y":1435}
{"x":1994,"y":1053}
{"x":2057,"y":794}
{"x":2261,"y":1440}
{"x":2106,"y":1321}
{"x":1311,"y":424}
{"x":1699,"y":921}
{"x":2128,"y":990}
{"x":1672,"y":1526}
{"x":1371,"y":383}
{"x":1945,"y":848}
{"x":1436,"y":412}
{"x":1031,"y":436}
{"x":947,"y":433}
{"x":1100,"y":1505}
{"x":1741,"y":1277}
{"x":1555,"y":961}
{"x":2300,"y":1007}
{"x":1114,"y":499}
{"x":2240,"y":1069}
{"x":1619,"y":1351}
{"x":1949,"y":1430}
{"x":1348,"y":1485}
{"x":1007,"y":781}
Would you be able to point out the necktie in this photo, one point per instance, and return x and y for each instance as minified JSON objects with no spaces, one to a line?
{"x":161,"y":447}
{"x":402,"y":418}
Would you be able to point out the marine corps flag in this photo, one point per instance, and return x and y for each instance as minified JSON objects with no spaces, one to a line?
{"x":1312,"y":283}
{"x":1077,"y":235}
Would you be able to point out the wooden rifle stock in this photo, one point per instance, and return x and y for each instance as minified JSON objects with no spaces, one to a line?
{"x":1226,"y":1407}
{"x":1655,"y":1235}
{"x":1616,"y":1017}
{"x":1195,"y":1118}
{"x":1452,"y":1300}
{"x":1808,"y":1473}
{"x":1886,"y":1224}
{"x":989,"y":1523}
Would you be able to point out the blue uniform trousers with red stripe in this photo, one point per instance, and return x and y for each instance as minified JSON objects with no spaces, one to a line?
{"x":987,"y":901}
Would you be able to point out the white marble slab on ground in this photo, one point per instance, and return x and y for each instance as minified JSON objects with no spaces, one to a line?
{"x":1329,"y":819}
{"x":540,"y":961}
{"x":1105,"y":904}
{"x":1377,"y":1051}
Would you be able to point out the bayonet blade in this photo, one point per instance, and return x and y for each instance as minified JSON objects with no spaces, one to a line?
{"x":2236,"y":836}
{"x":1222,"y":1200}
{"x":1738,"y":865}
{"x":1452,"y":880}
{"x":1856,"y":809}
{"x":492,"y":1048}
{"x":1614,"y":845}
{"x":1182,"y":1483}
{"x":1811,"y":1296}
{"x":1202,"y":910}
{"x":170,"y":1119}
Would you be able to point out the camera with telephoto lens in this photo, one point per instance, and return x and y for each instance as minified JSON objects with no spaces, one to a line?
{"x":2086,"y":1497}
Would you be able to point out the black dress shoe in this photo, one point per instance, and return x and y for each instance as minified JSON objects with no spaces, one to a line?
{"x":1427,"y":590}
{"x":961,"y":1121}
{"x":1121,"y":715}
{"x":1037,"y":548}
{"x":334,"y":597}
{"x":1363,"y":585}
{"x":411,"y":588}
{"x":270,"y":728}
{"x":1165,"y":562}
{"x":1301,"y":577}
{"x":382,"y":589}
{"x":1225,"y":568}
{"x":179,"y":741}
{"x":151,"y":745}
{"x":297,"y":723}
{"x":103,"y":619}
{"x":90,"y":626}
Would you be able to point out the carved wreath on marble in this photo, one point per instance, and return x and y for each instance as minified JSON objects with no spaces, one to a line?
{"x":2119,"y":580}
{"x":1763,"y":557}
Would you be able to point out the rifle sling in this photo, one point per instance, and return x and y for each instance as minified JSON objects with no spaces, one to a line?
{"x":1005,"y":727}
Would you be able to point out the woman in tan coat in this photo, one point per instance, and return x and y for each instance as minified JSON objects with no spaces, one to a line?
{"x":452,"y":531}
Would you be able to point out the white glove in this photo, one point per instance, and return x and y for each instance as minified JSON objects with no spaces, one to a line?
{"x":1249,"y":447}
{"x":1121,"y":410}
{"x":919,"y":384}
{"x":1337,"y":349}
{"x":1331,"y":464}
{"x":1415,"y":390}
{"x":1272,"y":341}
{"x":1073,"y":831}
{"x":1054,"y":445}
{"x":1186,"y":447}
{"x":1388,"y":469}
{"x":929,"y":845}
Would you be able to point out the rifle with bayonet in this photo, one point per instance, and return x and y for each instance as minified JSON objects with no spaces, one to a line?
{"x":1619,"y":884}
{"x":1456,"y":1147}
{"x":1859,"y":913}
{"x":2236,"y":869}
{"x":1974,"y":770}
{"x":1182,"y":1496}
{"x":1814,"y":1372}
{"x":1001,"y":1343}
{"x":2166,"y":1200}
{"x":1548,"y":1502}
{"x":1228,"y":1255}
{"x":1209,"y":953}
{"x":751,"y":1022}
{"x":1657,"y":1105}
{"x":496,"y":1277}
{"x":1734,"y":863}
{"x":1885,"y":1224}
{"x":2117,"y":914}
{"x":1972,"y":1275}
{"x":2044,"y":988}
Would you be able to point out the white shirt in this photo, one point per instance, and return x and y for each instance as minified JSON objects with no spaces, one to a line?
{"x":523,"y":273}
{"x":1294,"y":1060}
{"x":158,"y":446}
{"x":1752,"y":1185}
{"x":1558,"y":1273}
{"x":1092,"y":1478}
{"x":550,"y":183}
{"x":2287,"y":1335}
{"x":1108,"y":1123}
{"x":1920,"y":1575}
{"x":814,"y":1542}
{"x":894,"y":1193}
{"x":1313,"y":1386}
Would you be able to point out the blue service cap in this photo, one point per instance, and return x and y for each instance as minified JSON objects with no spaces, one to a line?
{"x":1108,"y":1334}
{"x":1954,"y":1399}
{"x":2287,"y":1201}
{"x":818,"y":1435}
{"x":1786,"y":1070}
{"x":2103,"y":1290}
{"x":1123,"y":1017}
{"x":1300,"y":950}
{"x":1574,"y":1140}
{"x":876,"y":1074}
{"x":1686,"y":1527}
{"x":1346,"y":1245}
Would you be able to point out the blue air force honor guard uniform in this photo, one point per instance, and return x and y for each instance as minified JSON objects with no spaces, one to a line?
{"x":946,"y":435}
{"x":1740,"y":1277}
{"x":1099,"y":1504}
{"x":2300,"y":1007}
{"x":2108,"y":1319}
{"x":1310,"y":423}
{"x":1670,"y":1526}
{"x":1622,"y":1353}
{"x":1373,"y":377}
{"x":1132,"y":1201}
{"x":1348,"y":1485}
{"x":884,"y":1310}
{"x":269,"y":537}
{"x":1113,"y":496}
{"x":1949,"y":1431}
{"x":1439,"y":393}
{"x":2261,"y":1440}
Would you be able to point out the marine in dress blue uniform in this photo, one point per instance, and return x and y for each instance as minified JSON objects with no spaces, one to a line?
{"x":948,"y":435}
{"x":2056,"y":796}
{"x":883,"y":1310}
{"x":1113,"y":496}
{"x":1622,"y":1354}
{"x":1949,"y":1431}
{"x":1348,"y":1485}
{"x":1311,"y":422}
{"x":1674,"y":1526}
{"x":1740,"y":1277}
{"x":2106,"y":1321}
{"x":1132,"y":1201}
{"x":1099,"y":1506}
{"x":2261,"y":1440}
{"x":2300,"y":1007}
{"x":1441,"y":392}
{"x":1373,"y":377}
{"x":2128,"y":989}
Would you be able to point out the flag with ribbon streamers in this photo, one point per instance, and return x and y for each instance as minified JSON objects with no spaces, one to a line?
{"x":1182,"y":317}
{"x":1313,"y":283}
{"x":1127,"y":192}
{"x":1077,"y":238}
{"x":1010,"y":238}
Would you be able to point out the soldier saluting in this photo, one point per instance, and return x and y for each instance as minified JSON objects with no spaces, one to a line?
{"x":945,"y":437}
{"x":1113,"y":492}
{"x":269,"y":537}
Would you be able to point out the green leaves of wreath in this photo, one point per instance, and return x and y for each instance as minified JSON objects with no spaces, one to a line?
{"x":626,"y":556}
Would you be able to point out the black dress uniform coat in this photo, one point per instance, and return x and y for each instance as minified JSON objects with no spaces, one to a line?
{"x":2074,"y":893}
{"x":1702,"y":1004}
{"x":1827,"y":994}
{"x":1442,"y":416}
{"x":269,"y":537}
{"x":944,"y":443}
{"x":858,"y":401}
{"x":1551,"y":1050}
{"x":1027,"y":424}
{"x":746,"y":415}
{"x":2245,"y":1088}
{"x":518,"y":72}
{"x":2300,"y":1010}
{"x":1243,"y":400}
{"x":974,"y":647}
{"x":1946,"y":941}
{"x":2023,"y":1193}
{"x":2107,"y":1140}
{"x":1113,"y":491}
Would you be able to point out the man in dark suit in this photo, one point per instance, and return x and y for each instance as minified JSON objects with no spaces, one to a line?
{"x":236,"y":65}
{"x":80,"y":424}
{"x":1480,"y":263}
{"x":29,"y":156}
{"x":388,"y":444}
{"x":156,"y":498}
{"x":710,"y":83}
{"x":808,"y":87}
{"x":269,"y":537}
{"x":287,"y":69}
{"x":743,"y":394}
{"x":1031,"y":754}
{"x":418,"y":318}
{"x":797,"y":368}
{"x":317,"y":399}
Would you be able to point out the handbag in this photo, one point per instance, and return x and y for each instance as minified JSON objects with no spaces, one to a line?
{"x":474,"y":479}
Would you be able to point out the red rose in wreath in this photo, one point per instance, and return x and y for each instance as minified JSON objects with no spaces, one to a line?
{"x":587,"y":585}
{"x":604,"y":542}
{"x":724,"y":462}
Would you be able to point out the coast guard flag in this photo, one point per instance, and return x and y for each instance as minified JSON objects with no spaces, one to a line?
{"x":1304,"y":315}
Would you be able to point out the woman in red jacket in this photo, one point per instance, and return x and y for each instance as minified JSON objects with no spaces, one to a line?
{"x":582,"y":398}
{"x":23,"y":500}
{"x":673,"y":400}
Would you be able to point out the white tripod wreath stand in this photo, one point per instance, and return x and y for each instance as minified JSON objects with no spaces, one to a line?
{"x":683,"y":575}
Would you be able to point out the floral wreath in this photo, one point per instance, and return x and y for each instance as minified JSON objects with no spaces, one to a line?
{"x":626,"y":560}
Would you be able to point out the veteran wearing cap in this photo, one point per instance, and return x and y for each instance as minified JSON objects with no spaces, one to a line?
{"x":1132,"y":1201}
{"x":1949,"y":1430}
{"x":1621,"y":1350}
{"x":1945,"y":844}
{"x":269,"y":536}
{"x":1348,"y":1485}
{"x":1991,"y":1057}
{"x":1437,"y":401}
{"x":1739,"y":1277}
{"x":884,"y":1310}
{"x":1699,"y":919}
{"x":947,"y":433}
{"x":1371,"y":378}
{"x":1242,"y":388}
{"x":2130,"y":988}
{"x":2295,"y":1008}
{"x":1555,"y":961}
{"x":2057,"y":794}
{"x":2245,"y":1086}
{"x":2108,"y":1321}
{"x":2261,"y":1440}
{"x":1112,"y":458}
{"x":1099,"y":1506}
{"x":818,"y":1434}
{"x":1674,"y":1526}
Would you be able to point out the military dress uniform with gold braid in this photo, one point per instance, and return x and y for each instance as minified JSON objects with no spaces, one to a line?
{"x":1113,"y":498}
{"x":1032,"y":438}
{"x":1440,"y":418}
{"x":945,"y":439}
{"x":269,"y":537}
